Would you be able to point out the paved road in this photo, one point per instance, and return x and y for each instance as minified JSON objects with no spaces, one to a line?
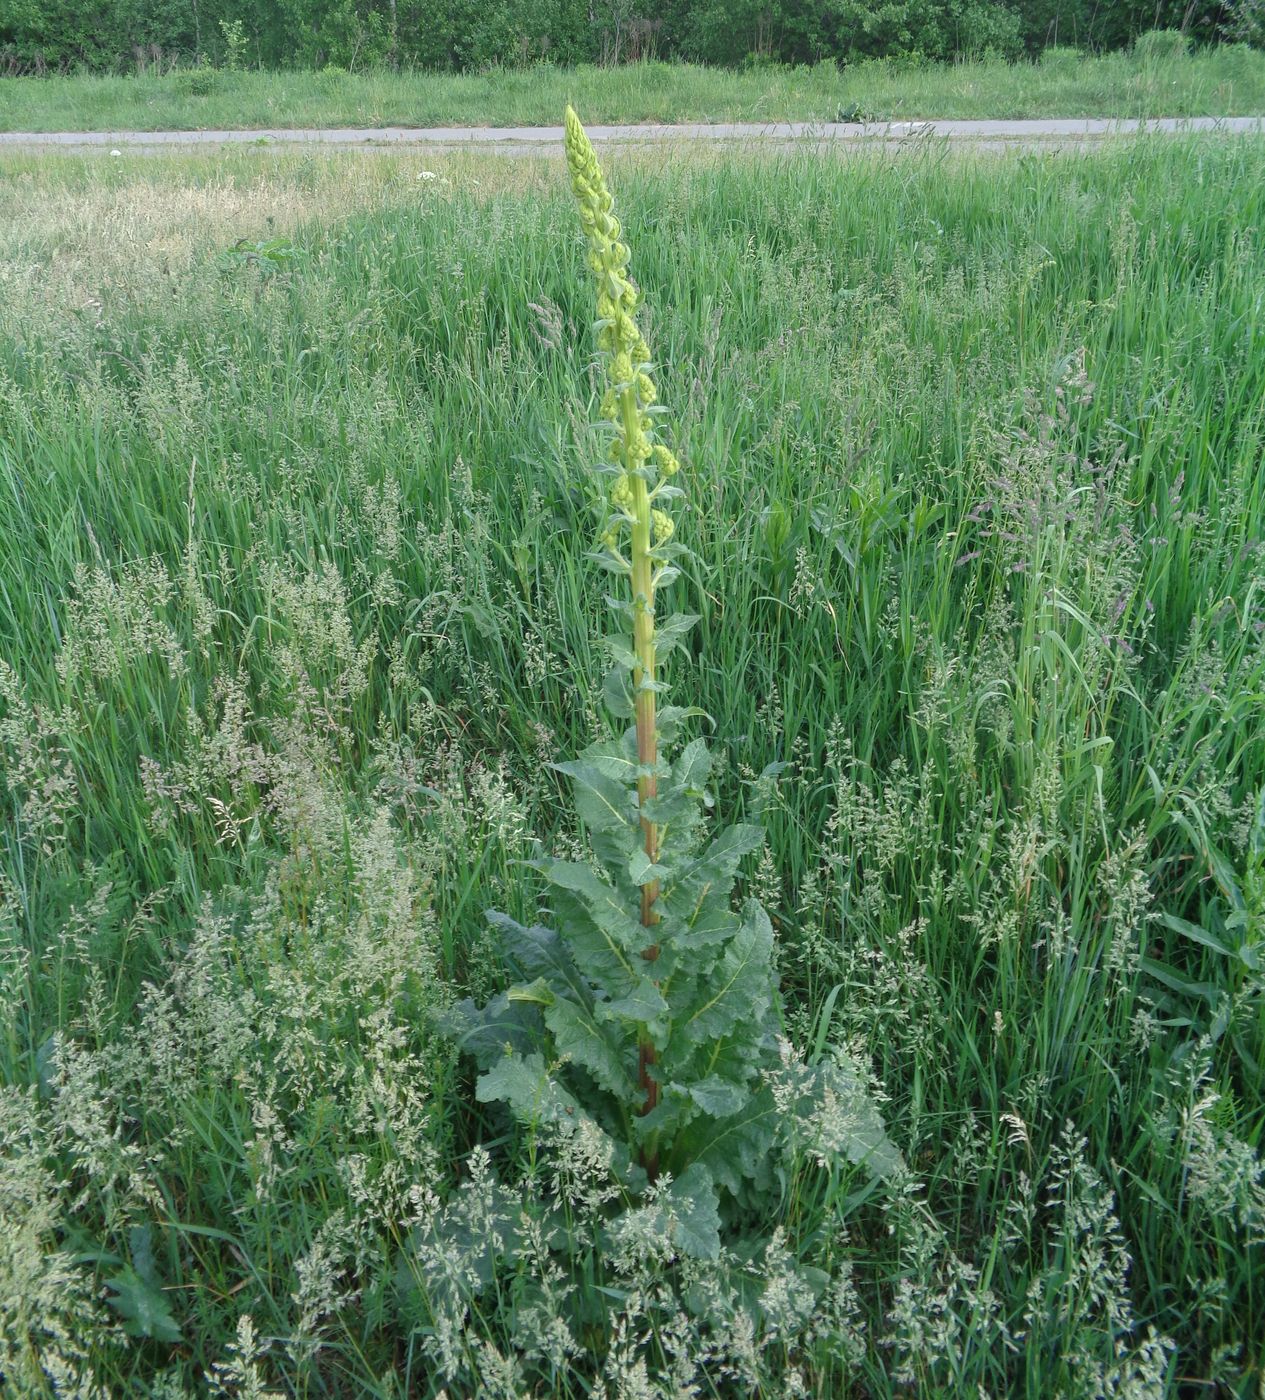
{"x":1061,"y":131}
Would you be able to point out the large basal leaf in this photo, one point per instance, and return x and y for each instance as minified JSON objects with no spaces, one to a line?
{"x":532,"y":1094}
{"x":696,"y":1223}
{"x":717,"y":1097}
{"x":683,"y":1213}
{"x":738,"y":1151}
{"x":584,"y":1042}
{"x":539,"y":952}
{"x":485,"y":1033}
{"x":844,"y":1121}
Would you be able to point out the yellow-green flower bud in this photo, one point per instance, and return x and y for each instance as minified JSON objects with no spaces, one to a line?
{"x":664,"y":460}
{"x":663,"y":526}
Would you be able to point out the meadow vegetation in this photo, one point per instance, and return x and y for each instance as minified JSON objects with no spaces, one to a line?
{"x":1143,"y":82}
{"x":296,"y":485}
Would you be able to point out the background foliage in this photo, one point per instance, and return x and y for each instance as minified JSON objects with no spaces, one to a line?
{"x":295,"y":467}
{"x":467,"y":34}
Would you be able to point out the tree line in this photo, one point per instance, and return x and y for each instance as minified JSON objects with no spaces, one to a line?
{"x":114,"y":35}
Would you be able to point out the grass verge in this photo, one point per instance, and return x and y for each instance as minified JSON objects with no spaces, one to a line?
{"x":1219,"y":82}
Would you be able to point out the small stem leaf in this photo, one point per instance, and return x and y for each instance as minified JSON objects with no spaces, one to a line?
{"x":621,"y":652}
{"x":672,"y":717}
{"x":643,"y":1006}
{"x":605,"y":803}
{"x":672,"y":631}
{"x":617,"y":693}
{"x":693,"y":767}
{"x":641,"y":870}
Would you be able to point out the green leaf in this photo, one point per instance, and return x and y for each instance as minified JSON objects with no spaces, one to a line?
{"x":578,"y":1036}
{"x":671,"y":807}
{"x":617,"y":761}
{"x":644,"y":1006}
{"x":642,"y":870}
{"x":738,"y":1150}
{"x":486,"y":1032}
{"x":522,"y":1082}
{"x":672,"y":631}
{"x":537,"y":993}
{"x":605,"y":803}
{"x":671,"y":717}
{"x":716,"y":868}
{"x":1196,"y":934}
{"x":696,"y":1214}
{"x":621,"y":652}
{"x":693,"y":767}
{"x":846,"y":1119}
{"x":539,"y":952}
{"x":599,"y":898}
{"x":617,"y":693}
{"x":718,"y":1097}
{"x":1256,"y":839}
{"x":741,"y":986}
{"x":142,"y":1306}
{"x":1177,"y":982}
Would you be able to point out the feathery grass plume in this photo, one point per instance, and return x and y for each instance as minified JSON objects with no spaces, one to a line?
{"x":652,"y":1010}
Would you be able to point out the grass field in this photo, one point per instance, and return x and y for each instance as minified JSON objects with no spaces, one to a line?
{"x":1223,"y":82}
{"x":295,"y":488}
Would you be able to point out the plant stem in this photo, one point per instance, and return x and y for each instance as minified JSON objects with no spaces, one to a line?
{"x":647,"y":738}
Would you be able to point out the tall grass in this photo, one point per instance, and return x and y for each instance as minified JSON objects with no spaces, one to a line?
{"x":1225,"y":81}
{"x":292,"y":617}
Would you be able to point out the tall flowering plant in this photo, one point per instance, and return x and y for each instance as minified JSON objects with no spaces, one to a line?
{"x":648,"y":1006}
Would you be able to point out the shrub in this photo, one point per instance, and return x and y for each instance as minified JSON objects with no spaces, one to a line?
{"x":1161,"y":46}
{"x":1061,"y":58}
{"x":198,"y":82}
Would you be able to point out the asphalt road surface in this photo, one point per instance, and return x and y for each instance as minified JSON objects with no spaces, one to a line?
{"x":984,"y":134}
